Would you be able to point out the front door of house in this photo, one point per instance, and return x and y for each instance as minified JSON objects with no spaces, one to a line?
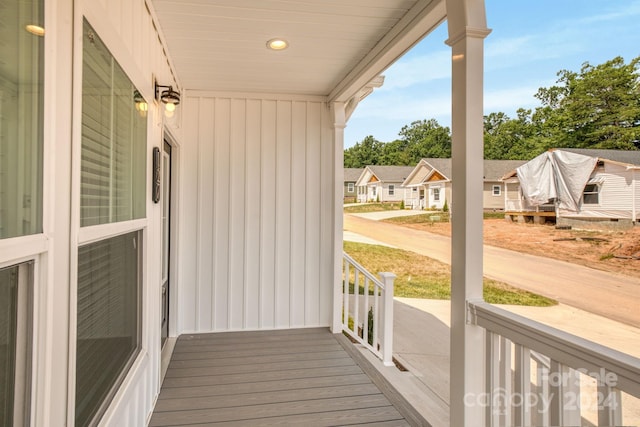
{"x":166,"y":238}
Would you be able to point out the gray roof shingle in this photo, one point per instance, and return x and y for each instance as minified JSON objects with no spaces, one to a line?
{"x":493,"y":170}
{"x":391,"y":173}
{"x":623,"y":156}
{"x":352,"y":174}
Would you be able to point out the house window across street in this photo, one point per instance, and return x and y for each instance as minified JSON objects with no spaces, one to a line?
{"x":436,"y":194}
{"x":392,"y":189}
{"x":496,"y":190}
{"x":350,"y":187}
{"x":590,"y":194}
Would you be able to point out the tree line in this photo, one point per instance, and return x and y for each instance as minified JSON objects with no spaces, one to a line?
{"x":596,"y":107}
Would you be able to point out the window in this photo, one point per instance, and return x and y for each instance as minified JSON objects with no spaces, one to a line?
{"x":392,"y":189}
{"x":21,"y":118}
{"x":436,"y":194}
{"x":496,"y":190}
{"x":590,"y":194}
{"x":350,"y":187}
{"x":113,"y":139}
{"x":112,"y":189}
{"x":414,"y":189}
{"x":108,"y":335}
{"x":15,"y":282}
{"x":374,"y":191}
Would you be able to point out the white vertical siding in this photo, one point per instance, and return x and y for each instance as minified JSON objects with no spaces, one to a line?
{"x":264,"y":174}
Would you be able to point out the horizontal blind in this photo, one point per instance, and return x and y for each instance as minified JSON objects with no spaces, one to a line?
{"x":107,"y":319}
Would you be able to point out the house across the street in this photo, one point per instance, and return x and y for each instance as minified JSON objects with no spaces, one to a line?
{"x":382,"y":183}
{"x":351,"y":176}
{"x":429,"y":185}
{"x":577,"y":187}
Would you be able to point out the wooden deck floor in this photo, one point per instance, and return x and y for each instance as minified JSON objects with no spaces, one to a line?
{"x":292,"y":377}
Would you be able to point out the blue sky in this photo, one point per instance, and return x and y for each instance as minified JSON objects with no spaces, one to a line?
{"x":529,"y":43}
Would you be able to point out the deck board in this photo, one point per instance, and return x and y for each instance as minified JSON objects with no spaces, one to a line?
{"x":292,"y":377}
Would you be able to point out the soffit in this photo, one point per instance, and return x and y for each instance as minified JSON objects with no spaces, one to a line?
{"x":221,"y":45}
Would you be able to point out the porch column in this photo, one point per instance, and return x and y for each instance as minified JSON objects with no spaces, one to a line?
{"x":339,"y":123}
{"x":467,"y":30}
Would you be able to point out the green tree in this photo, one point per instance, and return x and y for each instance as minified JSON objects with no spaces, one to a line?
{"x":364,"y":153}
{"x":513,"y":139}
{"x":598,"y":107}
{"x":426,"y":138}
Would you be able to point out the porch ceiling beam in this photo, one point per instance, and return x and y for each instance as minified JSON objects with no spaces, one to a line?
{"x":421,"y":19}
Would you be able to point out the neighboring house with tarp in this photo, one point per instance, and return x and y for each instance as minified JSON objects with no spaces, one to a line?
{"x":577,"y":187}
{"x":351,"y":176}
{"x":382,"y":183}
{"x":429,"y":184}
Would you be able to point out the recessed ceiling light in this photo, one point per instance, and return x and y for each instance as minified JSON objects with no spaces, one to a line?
{"x":35,"y":29}
{"x":277,"y":44}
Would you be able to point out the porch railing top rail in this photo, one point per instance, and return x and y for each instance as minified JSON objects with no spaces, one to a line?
{"x":363,"y":270}
{"x":572,"y":351}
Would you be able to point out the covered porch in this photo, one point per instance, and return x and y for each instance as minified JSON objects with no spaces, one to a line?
{"x":286,"y":377}
{"x":232,"y":227}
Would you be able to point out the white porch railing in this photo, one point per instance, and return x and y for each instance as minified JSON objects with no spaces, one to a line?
{"x":537,"y":375}
{"x":367,"y":311}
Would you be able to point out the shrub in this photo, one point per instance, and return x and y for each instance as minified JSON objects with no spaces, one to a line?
{"x":401,"y":204}
{"x":445,"y":207}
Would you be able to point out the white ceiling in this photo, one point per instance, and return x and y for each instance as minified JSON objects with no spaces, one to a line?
{"x":220,"y":45}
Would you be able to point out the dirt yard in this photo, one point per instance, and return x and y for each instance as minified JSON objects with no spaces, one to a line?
{"x":603,"y":250}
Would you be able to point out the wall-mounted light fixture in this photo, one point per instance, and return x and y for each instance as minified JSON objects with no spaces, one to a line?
{"x":169,"y":97}
{"x":141,"y":104}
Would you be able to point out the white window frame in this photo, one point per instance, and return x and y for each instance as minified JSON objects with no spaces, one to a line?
{"x":392,"y":190}
{"x":591,"y":193}
{"x":83,"y":235}
{"x":497,"y":193}
{"x":436,"y":194}
{"x":350,"y":187}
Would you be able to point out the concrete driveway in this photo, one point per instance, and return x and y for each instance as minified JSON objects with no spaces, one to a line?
{"x":613,"y":296}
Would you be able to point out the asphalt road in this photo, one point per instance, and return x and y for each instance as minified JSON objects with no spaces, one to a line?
{"x":614,"y":296}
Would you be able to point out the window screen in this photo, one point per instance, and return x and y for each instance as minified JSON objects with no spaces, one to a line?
{"x":108,"y":331}
{"x":21,"y":117}
{"x":114,"y":133}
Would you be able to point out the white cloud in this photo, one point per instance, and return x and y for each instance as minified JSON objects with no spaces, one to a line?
{"x":508,"y":100}
{"x":417,"y":69}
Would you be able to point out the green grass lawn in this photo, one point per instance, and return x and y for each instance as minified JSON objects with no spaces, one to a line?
{"x":444,"y":217}
{"x":372,"y":207}
{"x":422,"y":277}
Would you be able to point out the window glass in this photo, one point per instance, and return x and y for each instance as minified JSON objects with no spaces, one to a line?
{"x":108,"y":328}
{"x":590,"y":195}
{"x":496,"y":190}
{"x":8,"y":328}
{"x":392,"y":189}
{"x":21,"y":117}
{"x":436,"y":194}
{"x":14,"y":282}
{"x":114,"y":135}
